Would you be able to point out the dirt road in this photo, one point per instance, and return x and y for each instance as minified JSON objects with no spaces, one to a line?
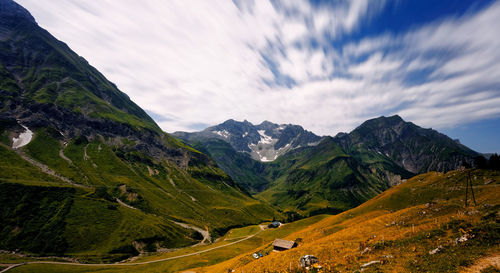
{"x":205,"y":233}
{"x":10,"y":266}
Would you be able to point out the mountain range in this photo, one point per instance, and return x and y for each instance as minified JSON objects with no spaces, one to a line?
{"x":310,"y":174}
{"x":86,"y":172}
{"x":264,"y":142}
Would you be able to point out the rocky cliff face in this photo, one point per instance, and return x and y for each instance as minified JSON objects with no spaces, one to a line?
{"x":264,"y":142}
{"x":416,"y":149}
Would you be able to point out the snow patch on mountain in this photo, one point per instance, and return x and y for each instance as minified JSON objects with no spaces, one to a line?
{"x":265,"y":139}
{"x":23,"y":139}
{"x":223,"y":133}
{"x":313,"y":143}
{"x":264,"y":149}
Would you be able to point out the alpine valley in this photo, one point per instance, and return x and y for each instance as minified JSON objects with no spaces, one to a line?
{"x":299,"y":172}
{"x":90,"y":182}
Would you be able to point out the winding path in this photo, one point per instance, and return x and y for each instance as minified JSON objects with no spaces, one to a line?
{"x":10,"y":266}
{"x":205,"y":233}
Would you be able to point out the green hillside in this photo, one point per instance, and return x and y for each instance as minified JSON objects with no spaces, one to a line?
{"x":99,"y":175}
{"x":244,"y":170}
{"x":98,"y":180}
{"x":309,"y":180}
{"x":324,"y":178}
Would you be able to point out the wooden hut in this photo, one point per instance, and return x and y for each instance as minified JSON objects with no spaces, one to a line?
{"x":280,"y":244}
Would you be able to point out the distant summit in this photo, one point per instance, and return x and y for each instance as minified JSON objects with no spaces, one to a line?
{"x":264,"y":142}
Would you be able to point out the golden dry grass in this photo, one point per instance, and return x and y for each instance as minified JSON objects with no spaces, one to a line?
{"x":397,"y":228}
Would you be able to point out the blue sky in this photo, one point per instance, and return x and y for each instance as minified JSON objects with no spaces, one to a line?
{"x":326,"y":65}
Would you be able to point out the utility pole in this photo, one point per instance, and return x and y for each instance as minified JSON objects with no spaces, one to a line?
{"x":466,"y":190}
{"x":467,"y":185}
{"x":472,"y":190}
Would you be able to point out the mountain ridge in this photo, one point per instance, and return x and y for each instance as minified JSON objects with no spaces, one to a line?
{"x":338,"y":172}
{"x":265,"y":141}
{"x":417,"y":149}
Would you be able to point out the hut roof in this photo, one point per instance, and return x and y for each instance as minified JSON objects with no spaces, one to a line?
{"x":283,"y":243}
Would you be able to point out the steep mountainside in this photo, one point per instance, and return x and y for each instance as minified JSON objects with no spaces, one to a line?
{"x":416,"y":149}
{"x":244,"y":170}
{"x":264,"y":142}
{"x":324,"y":178}
{"x":87,"y":172}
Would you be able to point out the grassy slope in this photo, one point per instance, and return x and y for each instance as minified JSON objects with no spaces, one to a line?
{"x":95,"y":224}
{"x":325,"y":178}
{"x":205,"y":259}
{"x":41,"y":214}
{"x":244,"y":170}
{"x":405,"y":222}
{"x":393,"y":223}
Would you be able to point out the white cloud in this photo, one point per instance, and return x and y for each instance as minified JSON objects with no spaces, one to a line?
{"x":356,"y":9}
{"x":375,"y":67}
{"x":202,"y":62}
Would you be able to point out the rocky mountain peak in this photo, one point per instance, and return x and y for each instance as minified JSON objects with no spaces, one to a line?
{"x":267,"y":123}
{"x":264,"y":142}
{"x":414,"y":148}
{"x":383,"y":122}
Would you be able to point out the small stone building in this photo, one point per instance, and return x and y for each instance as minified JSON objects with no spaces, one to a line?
{"x":274,"y":224}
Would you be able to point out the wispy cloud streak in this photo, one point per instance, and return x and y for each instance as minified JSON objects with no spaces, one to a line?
{"x":193,"y":63}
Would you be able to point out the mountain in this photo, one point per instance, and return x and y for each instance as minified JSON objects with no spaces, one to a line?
{"x":349,"y":169}
{"x":312,"y":175}
{"x":241,"y":149}
{"x":331,"y":175}
{"x":416,"y":149}
{"x":86,"y":172}
{"x":264,"y":142}
{"x":326,"y":179}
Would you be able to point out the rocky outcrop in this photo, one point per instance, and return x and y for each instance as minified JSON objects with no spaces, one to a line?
{"x":416,"y":149}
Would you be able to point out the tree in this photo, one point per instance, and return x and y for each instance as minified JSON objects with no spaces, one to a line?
{"x":466,"y":164}
{"x":480,"y":162}
{"x":494,"y":162}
